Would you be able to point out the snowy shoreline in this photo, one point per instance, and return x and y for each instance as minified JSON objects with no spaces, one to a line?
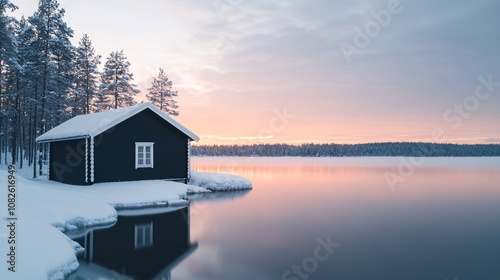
{"x":46,"y":210}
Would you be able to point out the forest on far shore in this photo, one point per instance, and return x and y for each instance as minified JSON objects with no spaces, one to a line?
{"x":391,"y":149}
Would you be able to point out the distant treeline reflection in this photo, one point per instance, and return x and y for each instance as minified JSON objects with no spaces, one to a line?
{"x":392,"y":149}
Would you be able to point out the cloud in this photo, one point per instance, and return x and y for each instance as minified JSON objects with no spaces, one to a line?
{"x":271,"y":54}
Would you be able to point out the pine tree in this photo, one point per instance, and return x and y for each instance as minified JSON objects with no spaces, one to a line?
{"x":87,"y":72}
{"x":53,"y":66}
{"x":8,"y":53}
{"x":28,"y":84}
{"x":56,"y":56}
{"x":161,"y":94}
{"x":101,"y":103}
{"x":116,"y":81}
{"x":8,"y":63}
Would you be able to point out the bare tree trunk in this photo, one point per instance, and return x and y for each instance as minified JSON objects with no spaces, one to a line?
{"x":29,"y":146}
{"x":33,"y":142}
{"x":1,"y":109}
{"x":87,"y":91}
{"x":15,"y":131}
{"x":161,"y":95}
{"x":6,"y":145}
{"x":21,"y":144}
{"x":42,"y":121}
{"x":116,"y":89}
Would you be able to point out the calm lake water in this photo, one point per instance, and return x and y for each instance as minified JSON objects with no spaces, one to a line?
{"x":327,"y":219}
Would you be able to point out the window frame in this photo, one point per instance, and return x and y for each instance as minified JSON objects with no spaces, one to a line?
{"x":144,"y":145}
{"x":138,"y":244}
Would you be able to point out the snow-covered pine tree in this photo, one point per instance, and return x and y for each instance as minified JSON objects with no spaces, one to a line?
{"x":53,"y":64}
{"x":28,"y":84}
{"x":56,"y":56}
{"x":57,"y":100}
{"x":116,"y":81}
{"x":8,"y":63}
{"x":8,"y":53}
{"x":101,"y":103}
{"x":161,"y":94}
{"x":87,"y":73}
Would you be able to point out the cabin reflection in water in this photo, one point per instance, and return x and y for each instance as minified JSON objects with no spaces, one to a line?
{"x":143,"y":244}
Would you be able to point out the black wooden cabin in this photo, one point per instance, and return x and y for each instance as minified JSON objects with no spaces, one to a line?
{"x":140,"y":142}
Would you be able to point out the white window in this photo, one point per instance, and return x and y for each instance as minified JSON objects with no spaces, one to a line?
{"x":143,"y":236}
{"x":144,"y":155}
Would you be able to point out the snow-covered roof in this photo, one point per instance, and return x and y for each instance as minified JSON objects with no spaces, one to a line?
{"x":91,"y":125}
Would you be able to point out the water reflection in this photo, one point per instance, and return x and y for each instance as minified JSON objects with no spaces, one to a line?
{"x":218,"y":196}
{"x":441,"y":223}
{"x":143,"y":244}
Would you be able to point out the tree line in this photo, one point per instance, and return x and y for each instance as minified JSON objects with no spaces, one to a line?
{"x":394,"y":149}
{"x":45,"y":80}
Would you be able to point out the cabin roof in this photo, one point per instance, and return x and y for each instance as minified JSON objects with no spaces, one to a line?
{"x":91,"y":125}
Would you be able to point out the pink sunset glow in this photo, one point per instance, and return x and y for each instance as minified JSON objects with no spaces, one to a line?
{"x":235,"y":68}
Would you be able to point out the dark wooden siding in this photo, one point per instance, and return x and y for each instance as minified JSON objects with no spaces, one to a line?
{"x":67,"y":162}
{"x":114,"y":150}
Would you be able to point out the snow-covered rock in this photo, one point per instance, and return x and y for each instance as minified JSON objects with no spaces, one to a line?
{"x":219,"y":181}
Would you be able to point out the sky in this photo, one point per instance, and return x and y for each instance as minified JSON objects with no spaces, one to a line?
{"x":315,"y":71}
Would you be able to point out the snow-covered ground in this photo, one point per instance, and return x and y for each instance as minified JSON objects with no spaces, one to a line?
{"x":45,"y":209}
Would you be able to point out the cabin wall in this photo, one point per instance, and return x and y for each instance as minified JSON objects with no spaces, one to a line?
{"x":114,"y":150}
{"x":67,"y":161}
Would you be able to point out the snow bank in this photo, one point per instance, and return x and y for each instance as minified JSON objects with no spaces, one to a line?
{"x":139,"y":194}
{"x":45,"y":209}
{"x":42,"y":251}
{"x":62,"y":206}
{"x":219,"y":181}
